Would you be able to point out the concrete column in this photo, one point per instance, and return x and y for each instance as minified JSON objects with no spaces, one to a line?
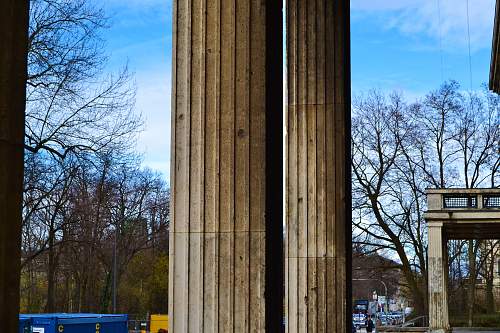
{"x":438,"y":279}
{"x":318,"y":223}
{"x":226,"y":235}
{"x":13,"y":41}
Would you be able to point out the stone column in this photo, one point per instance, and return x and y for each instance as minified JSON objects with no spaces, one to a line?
{"x":438,"y":278}
{"x":318,"y":223}
{"x":226,"y":167}
{"x":13,"y":41}
{"x":445,"y":282}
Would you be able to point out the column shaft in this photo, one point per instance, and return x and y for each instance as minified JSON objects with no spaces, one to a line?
{"x":318,"y":176}
{"x":445,"y":282}
{"x":438,"y":278}
{"x":226,"y":166}
{"x":13,"y":59}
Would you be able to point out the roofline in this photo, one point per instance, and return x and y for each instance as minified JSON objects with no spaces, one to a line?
{"x":494,"y":190}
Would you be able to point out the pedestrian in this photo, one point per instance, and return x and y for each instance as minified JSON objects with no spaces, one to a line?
{"x":370,"y":326}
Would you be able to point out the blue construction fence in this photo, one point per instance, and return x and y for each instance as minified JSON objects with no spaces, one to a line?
{"x":73,"y":323}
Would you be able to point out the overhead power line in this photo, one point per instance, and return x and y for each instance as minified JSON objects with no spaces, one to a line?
{"x":468,"y":41}
{"x":440,"y":40}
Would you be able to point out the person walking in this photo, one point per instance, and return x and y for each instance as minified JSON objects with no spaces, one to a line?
{"x":370,"y":326}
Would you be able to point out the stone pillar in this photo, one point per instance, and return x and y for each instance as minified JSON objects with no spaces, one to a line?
{"x":318,"y":223}
{"x":13,"y":41}
{"x":225,"y":239}
{"x":445,"y":282}
{"x":438,"y":279}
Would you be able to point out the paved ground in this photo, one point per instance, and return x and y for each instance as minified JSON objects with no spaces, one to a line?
{"x":462,"y":331}
{"x":459,"y":331}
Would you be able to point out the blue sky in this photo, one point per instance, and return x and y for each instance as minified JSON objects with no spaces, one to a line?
{"x":395,"y":46}
{"x":140,"y":36}
{"x":399,"y":44}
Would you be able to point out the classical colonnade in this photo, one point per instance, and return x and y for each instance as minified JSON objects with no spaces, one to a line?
{"x":227,"y":249}
{"x":453,"y":214}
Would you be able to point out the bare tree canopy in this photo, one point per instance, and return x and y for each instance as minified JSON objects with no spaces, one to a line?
{"x":450,"y":138}
{"x":72,"y":104}
{"x":95,"y":222}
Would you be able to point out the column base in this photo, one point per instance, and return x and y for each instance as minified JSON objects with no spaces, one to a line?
{"x":439,"y":330}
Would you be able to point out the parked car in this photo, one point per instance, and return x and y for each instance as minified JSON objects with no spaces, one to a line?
{"x":359,"y":320}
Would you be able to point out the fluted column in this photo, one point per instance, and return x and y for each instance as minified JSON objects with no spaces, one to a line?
{"x":438,"y":278}
{"x":318,"y":177}
{"x":13,"y":46}
{"x":226,"y":167}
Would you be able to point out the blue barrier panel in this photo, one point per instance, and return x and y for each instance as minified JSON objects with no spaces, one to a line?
{"x":24,"y":325}
{"x":76,"y":323}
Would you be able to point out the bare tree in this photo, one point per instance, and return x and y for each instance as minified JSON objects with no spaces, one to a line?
{"x":448,"y":139}
{"x":80,"y":122}
{"x":379,"y":187}
{"x":72,"y":105}
{"x":489,"y":253}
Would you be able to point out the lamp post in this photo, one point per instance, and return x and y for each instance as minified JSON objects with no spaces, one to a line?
{"x":114,"y":268}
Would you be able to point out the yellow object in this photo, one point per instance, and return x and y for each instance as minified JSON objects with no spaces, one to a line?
{"x":158,"y":321}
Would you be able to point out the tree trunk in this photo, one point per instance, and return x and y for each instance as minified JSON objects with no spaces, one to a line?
{"x":77,"y":296}
{"x":31,"y":292}
{"x":472,"y":282}
{"x":419,"y":297}
{"x":49,"y":308}
{"x":490,"y":300}
{"x":106,"y":294}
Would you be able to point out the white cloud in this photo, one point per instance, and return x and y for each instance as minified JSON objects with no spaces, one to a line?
{"x":162,"y":167}
{"x":153,"y":102}
{"x":380,"y":5}
{"x":413,"y":17}
{"x":139,"y":4}
{"x":138,"y":13}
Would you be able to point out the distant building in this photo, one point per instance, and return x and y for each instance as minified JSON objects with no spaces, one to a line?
{"x":489,"y":278}
{"x":369,"y":270}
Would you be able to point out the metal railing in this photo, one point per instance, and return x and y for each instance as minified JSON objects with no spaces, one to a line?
{"x":419,"y":324}
{"x":459,"y":201}
{"x":491,"y":201}
{"x":471,"y":201}
{"x":422,"y":321}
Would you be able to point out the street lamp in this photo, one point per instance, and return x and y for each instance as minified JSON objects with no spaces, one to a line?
{"x":114,"y":267}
